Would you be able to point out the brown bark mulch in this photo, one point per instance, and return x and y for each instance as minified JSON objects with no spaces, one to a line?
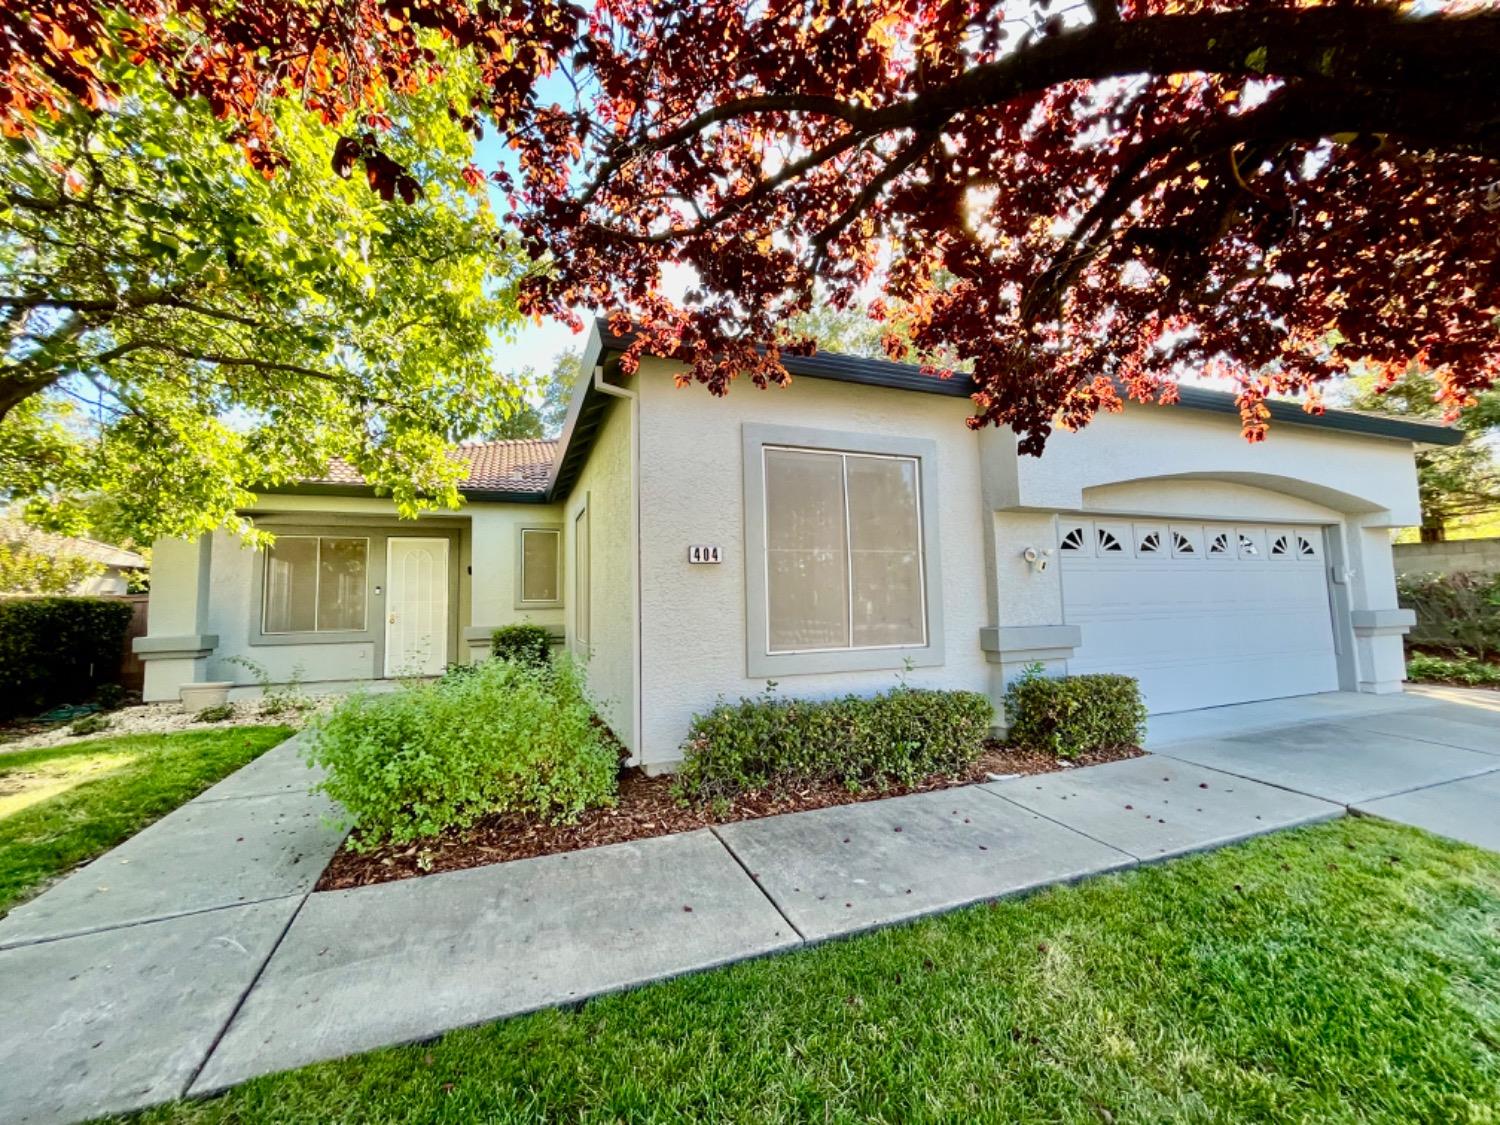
{"x":646,"y":808}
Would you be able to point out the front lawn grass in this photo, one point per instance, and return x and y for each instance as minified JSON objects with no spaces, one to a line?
{"x":1348,"y":972}
{"x":63,"y":805}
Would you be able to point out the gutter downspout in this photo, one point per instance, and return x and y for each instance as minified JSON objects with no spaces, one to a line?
{"x":633,"y":398}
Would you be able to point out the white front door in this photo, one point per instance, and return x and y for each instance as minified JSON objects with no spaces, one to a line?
{"x":1202,"y":614}
{"x":416,"y":606}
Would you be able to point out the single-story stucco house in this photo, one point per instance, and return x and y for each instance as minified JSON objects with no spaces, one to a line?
{"x":830,"y":536}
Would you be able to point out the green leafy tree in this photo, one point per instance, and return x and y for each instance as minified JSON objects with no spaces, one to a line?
{"x":1456,"y":481}
{"x":181,"y":329}
{"x":557,"y":389}
{"x":26,"y":570}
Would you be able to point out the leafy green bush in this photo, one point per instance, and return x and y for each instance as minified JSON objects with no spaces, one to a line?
{"x":773,"y":743}
{"x":1464,"y":670}
{"x":218,"y":713}
{"x":88,"y":724}
{"x":1458,"y":611}
{"x":58,"y":650}
{"x":525,"y":644}
{"x":1070,"y":715}
{"x":431,"y":756}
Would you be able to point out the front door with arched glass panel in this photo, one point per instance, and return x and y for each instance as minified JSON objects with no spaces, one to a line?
{"x":416,"y":606}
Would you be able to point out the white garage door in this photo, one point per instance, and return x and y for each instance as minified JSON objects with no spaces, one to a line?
{"x":1202,"y":614}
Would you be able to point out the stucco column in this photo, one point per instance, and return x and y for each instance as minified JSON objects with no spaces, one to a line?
{"x":492,"y":592}
{"x":176,"y":648}
{"x":1376,"y":621}
{"x":1026,"y":592}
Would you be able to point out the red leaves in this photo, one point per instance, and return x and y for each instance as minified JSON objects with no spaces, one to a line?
{"x":1271,"y":192}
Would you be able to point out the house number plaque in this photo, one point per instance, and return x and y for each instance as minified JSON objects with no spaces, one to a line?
{"x":702,"y":553}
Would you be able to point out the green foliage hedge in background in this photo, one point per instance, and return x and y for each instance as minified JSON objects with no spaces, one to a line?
{"x":58,"y":650}
{"x":504,"y":737}
{"x":1071,"y":715}
{"x":1458,"y":611}
{"x":527,"y":644}
{"x":1423,"y":668}
{"x":773,"y":743}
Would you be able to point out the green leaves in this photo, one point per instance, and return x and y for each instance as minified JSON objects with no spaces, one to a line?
{"x":181,"y":321}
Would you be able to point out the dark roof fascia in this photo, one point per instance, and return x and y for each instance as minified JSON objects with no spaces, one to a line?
{"x":484,"y":495}
{"x":587,"y":404}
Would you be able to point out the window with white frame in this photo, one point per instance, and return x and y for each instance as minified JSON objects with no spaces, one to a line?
{"x":844,"y":566}
{"x":540,"y":578}
{"x":315,"y":584}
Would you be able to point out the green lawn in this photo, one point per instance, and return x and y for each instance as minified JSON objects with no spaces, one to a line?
{"x":1348,"y":972}
{"x":66,"y":804}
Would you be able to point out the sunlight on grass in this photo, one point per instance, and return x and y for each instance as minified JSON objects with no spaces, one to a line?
{"x":22,"y":788}
{"x":1344,"y":973}
{"x":63,"y":805}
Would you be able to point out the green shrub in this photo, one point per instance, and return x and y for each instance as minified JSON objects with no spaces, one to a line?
{"x":1070,"y":715}
{"x":110,"y":697}
{"x":1458,"y":611}
{"x":88,"y":724}
{"x":218,"y":713}
{"x":431,"y":756}
{"x":58,"y":650}
{"x":525,"y":644}
{"x":1463,"y":670}
{"x":771,"y":743}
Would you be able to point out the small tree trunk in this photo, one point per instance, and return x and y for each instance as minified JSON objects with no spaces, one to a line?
{"x":1434,"y":533}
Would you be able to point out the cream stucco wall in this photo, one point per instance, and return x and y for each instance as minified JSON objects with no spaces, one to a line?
{"x":612,"y":654}
{"x":693,"y":618}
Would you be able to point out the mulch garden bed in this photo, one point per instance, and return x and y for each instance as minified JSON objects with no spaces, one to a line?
{"x":646,"y":808}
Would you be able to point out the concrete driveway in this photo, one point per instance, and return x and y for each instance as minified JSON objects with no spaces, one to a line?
{"x":1429,"y":757}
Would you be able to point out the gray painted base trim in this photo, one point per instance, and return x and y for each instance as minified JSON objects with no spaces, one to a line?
{"x":190,"y":647}
{"x":1011,"y":644}
{"x":1382,"y":622}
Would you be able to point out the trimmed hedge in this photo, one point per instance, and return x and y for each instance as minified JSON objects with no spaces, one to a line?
{"x":1071,"y":715}
{"x":525,"y":644}
{"x":58,"y":650}
{"x":502,"y":737}
{"x":1422,"y":668}
{"x":767,"y":742}
{"x":1459,"y":612}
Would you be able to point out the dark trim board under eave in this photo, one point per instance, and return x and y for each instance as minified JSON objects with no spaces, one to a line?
{"x":603,"y":345}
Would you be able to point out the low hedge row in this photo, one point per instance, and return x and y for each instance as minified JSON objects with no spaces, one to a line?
{"x":58,"y":650}
{"x":1071,"y":715}
{"x":769,"y":742}
{"x":499,"y":737}
{"x":527,"y":644}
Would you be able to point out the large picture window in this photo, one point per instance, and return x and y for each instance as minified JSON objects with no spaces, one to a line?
{"x":315,"y":584}
{"x":842,"y":551}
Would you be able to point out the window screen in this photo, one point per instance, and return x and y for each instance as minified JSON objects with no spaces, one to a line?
{"x":539,"y":569}
{"x":315,"y":584}
{"x":843,"y":551}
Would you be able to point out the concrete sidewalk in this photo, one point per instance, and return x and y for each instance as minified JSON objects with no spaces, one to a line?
{"x":142,"y":978}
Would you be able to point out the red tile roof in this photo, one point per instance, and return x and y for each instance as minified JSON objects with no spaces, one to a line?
{"x":519,"y":465}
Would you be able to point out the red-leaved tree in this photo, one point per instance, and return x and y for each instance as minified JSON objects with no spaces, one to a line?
{"x":1078,"y":201}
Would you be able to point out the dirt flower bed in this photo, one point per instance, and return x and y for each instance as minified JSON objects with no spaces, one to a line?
{"x":647,"y":808}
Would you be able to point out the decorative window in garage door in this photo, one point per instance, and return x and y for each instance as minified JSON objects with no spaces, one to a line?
{"x":1219,"y":542}
{"x":1074,"y":538}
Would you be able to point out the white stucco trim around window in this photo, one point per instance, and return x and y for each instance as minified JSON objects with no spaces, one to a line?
{"x":759,"y":660}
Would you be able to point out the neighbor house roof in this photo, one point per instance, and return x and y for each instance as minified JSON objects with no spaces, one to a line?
{"x":45,"y":542}
{"x":516,"y":469}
